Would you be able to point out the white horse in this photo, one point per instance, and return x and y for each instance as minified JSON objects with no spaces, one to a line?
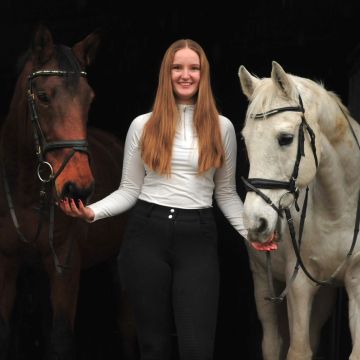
{"x":283,"y":109}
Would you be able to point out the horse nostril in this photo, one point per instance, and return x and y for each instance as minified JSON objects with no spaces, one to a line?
{"x":263,"y":224}
{"x":71,"y":190}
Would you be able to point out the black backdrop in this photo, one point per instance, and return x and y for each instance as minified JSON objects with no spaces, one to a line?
{"x":314,"y":39}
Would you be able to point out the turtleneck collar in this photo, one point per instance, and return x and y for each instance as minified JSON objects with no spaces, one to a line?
{"x":186,"y":107}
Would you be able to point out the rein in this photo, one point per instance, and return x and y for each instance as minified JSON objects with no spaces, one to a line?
{"x":44,"y":171}
{"x":255,"y":184}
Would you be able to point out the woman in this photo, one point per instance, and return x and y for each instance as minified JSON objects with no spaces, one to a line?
{"x":176,"y":158}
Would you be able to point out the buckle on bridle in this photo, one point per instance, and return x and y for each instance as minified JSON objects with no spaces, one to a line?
{"x":45,"y":172}
{"x":287,"y":200}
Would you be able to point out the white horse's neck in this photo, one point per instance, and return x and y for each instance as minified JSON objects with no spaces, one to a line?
{"x":338,"y":179}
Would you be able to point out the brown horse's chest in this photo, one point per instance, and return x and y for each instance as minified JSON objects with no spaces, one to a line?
{"x":7,"y":226}
{"x":28,"y":221}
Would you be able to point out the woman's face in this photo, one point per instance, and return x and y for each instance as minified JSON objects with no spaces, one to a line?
{"x":185,"y":75}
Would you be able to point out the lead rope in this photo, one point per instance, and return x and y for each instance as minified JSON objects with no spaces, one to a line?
{"x":296,"y":247}
{"x":280,"y":298}
{"x":13,"y":213}
{"x":59,"y":267}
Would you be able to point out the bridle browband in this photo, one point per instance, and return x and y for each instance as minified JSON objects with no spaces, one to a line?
{"x":42,"y":147}
{"x":254,"y":184}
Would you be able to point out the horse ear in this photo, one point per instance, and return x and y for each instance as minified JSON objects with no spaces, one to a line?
{"x":42,"y":45}
{"x":85,"y":50}
{"x":248,"y":82}
{"x":281,"y":79}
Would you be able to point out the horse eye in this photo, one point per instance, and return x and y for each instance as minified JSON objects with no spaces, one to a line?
{"x":285,"y":139}
{"x":43,"y":97}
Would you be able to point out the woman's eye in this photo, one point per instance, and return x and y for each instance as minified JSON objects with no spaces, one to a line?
{"x":285,"y":139}
{"x":43,"y":97}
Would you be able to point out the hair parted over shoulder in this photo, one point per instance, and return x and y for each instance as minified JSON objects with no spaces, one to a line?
{"x":159,"y":131}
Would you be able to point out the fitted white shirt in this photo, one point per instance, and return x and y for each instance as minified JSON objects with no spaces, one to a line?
{"x":184,"y":188}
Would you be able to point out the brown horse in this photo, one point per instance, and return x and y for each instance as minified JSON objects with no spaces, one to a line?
{"x":47,"y":153}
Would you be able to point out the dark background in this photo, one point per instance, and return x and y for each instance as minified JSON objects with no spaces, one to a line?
{"x":314,"y":39}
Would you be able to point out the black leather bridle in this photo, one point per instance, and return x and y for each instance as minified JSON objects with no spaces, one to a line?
{"x":42,"y":145}
{"x":44,"y":169}
{"x":255,"y":184}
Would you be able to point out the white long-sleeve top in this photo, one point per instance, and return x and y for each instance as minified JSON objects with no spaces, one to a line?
{"x":185,"y":188}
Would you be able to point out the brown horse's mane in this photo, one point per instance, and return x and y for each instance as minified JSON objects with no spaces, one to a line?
{"x":112,"y":149}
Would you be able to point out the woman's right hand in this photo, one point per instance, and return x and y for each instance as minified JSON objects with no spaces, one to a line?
{"x":69,"y":207}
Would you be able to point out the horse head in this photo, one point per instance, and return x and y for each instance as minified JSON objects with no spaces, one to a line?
{"x":281,"y":135}
{"x":53,"y":90}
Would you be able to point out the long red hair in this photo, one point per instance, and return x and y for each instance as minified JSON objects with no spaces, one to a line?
{"x":159,"y":131}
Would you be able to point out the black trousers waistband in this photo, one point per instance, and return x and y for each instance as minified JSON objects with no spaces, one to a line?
{"x":172,"y":213}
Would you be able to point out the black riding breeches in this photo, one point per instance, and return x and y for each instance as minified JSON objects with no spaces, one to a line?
{"x":169,"y":267}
